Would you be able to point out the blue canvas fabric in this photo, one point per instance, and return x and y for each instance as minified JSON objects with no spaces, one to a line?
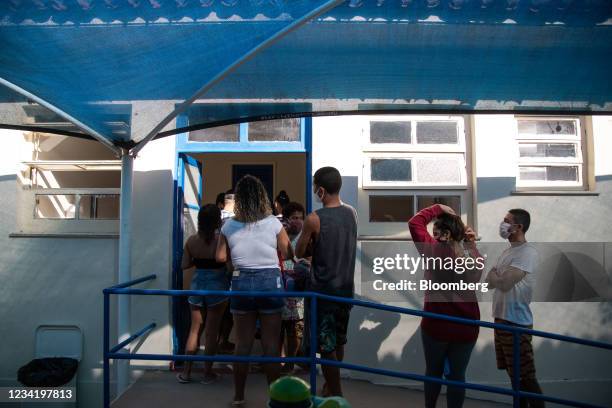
{"x":99,"y":60}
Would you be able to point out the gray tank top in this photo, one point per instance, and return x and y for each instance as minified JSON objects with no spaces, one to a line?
{"x":333,"y":258}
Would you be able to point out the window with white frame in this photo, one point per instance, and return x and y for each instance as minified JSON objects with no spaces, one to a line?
{"x":550,"y":153}
{"x":410,"y":163}
{"x":402,"y":152}
{"x":67,"y":186}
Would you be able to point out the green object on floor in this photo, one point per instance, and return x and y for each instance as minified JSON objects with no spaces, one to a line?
{"x":331,"y":402}
{"x":290,"y":392}
{"x":293,"y":392}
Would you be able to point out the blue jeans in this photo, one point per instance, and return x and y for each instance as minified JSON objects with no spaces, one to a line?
{"x":436,"y":354}
{"x":209,"y":279}
{"x":264,"y":280}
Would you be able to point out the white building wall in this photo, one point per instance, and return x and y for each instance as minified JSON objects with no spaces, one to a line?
{"x":44,"y":278}
{"x":60,"y":280}
{"x":152,"y":244}
{"x":48,"y":281}
{"x":393,"y":342}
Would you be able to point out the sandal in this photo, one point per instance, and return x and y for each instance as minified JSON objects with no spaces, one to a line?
{"x":181,"y":379}
{"x":238,"y":403}
{"x":209,"y":380}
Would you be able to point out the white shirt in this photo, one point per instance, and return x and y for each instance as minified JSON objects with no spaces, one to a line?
{"x":513,"y":305}
{"x":253,"y":245}
{"x":226,"y":214}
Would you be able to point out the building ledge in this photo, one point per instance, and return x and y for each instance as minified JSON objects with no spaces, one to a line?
{"x":97,"y":235}
{"x":389,"y":238}
{"x":553,"y":193}
{"x":382,"y":238}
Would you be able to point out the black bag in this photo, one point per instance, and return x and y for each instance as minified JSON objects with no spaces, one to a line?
{"x":48,"y":372}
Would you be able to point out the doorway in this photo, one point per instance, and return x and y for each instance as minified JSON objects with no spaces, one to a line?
{"x":201,"y":176}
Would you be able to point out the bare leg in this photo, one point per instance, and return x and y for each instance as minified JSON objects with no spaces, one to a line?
{"x":531,"y":385}
{"x":293,"y":342}
{"x":227,"y":322}
{"x":332,"y":386}
{"x":212,"y":325}
{"x":245,"y":335}
{"x":270,"y":342}
{"x":198,"y":317}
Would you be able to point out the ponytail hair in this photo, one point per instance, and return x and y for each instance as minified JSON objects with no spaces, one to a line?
{"x":209,"y":221}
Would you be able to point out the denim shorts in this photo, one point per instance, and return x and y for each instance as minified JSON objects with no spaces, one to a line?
{"x":209,"y":279}
{"x":264,"y":280}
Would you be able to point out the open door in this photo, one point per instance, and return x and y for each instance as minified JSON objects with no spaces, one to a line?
{"x":188,"y":200}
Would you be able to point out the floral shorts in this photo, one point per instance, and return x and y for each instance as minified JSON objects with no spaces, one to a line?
{"x":332,"y":325}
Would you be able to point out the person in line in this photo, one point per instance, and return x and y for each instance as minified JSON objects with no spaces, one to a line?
{"x":292,"y":326}
{"x":227,"y":323}
{"x":220,"y":201}
{"x":442,"y":340}
{"x":513,"y":280}
{"x":251,"y":240}
{"x":228,"y":205}
{"x":281,"y":200}
{"x":331,"y":235}
{"x":206,"y":311}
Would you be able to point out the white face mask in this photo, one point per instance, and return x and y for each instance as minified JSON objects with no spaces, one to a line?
{"x":319,"y":198}
{"x":504,"y":230}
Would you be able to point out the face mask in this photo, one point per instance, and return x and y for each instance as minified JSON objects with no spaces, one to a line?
{"x":504,"y":230}
{"x":318,"y":197}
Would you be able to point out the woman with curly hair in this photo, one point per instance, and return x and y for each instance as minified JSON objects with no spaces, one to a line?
{"x":206,"y":311}
{"x":251,"y":240}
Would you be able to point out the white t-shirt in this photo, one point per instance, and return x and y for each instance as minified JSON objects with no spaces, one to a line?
{"x":253,"y":245}
{"x":226,"y":214}
{"x":513,"y":305}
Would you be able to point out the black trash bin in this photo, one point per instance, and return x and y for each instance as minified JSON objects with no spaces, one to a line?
{"x":48,"y":372}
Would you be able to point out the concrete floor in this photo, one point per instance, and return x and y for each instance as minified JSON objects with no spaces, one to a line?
{"x":160,"y":389}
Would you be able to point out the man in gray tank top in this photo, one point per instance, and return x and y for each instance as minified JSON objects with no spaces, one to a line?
{"x":330,"y":236}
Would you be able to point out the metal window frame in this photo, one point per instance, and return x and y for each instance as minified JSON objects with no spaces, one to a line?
{"x":78,"y":194}
{"x":578,"y":139}
{"x":415,"y":194}
{"x":413,"y":146}
{"x":368,"y":184}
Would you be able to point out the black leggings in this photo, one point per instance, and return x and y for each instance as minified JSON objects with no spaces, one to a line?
{"x":436,"y":354}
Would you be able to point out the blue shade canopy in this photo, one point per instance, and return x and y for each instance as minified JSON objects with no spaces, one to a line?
{"x":118,"y":68}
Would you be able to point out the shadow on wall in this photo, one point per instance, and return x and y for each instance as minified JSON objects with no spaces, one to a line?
{"x":494,"y":188}
{"x":350,"y":190}
{"x":570,"y":277}
{"x":580,"y":375}
{"x":8,"y":177}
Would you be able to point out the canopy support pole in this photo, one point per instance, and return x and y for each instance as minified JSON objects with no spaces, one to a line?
{"x":125,"y":266}
{"x":96,"y":135}
{"x":322,"y":9}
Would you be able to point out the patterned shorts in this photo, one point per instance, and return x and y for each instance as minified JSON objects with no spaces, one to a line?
{"x":332,"y":325}
{"x":292,"y":328}
{"x":504,"y":352}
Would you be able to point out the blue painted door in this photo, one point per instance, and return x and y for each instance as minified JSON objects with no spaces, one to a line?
{"x":188,"y":201}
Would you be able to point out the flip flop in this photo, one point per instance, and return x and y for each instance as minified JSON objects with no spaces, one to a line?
{"x":181,"y":379}
{"x":210,"y":380}
{"x":238,"y":403}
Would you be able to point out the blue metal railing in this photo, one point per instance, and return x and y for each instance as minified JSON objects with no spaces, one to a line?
{"x":312,"y":359}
